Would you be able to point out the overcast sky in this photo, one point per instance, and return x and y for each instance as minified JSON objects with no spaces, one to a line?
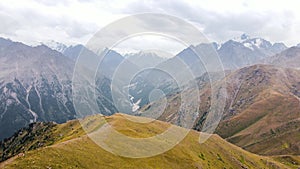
{"x":75,"y":21}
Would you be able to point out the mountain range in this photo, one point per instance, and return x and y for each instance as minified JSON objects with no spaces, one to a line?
{"x":261,"y":112}
{"x":235,"y":53}
{"x":36,"y":85}
{"x":20,"y":64}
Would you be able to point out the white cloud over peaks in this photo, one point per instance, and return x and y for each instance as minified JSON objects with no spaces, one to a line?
{"x":75,"y":21}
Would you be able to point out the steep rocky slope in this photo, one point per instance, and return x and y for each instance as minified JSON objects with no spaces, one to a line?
{"x":36,"y":85}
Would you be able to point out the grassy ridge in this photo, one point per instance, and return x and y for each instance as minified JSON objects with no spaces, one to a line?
{"x":73,"y":149}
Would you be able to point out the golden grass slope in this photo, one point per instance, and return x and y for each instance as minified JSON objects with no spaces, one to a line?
{"x":74,"y":149}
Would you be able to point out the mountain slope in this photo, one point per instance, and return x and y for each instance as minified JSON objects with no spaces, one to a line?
{"x":75,"y":150}
{"x":261,"y":112}
{"x":288,"y":58}
{"x":36,"y":85}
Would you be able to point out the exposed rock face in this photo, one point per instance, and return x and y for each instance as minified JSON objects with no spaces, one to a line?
{"x":36,"y":85}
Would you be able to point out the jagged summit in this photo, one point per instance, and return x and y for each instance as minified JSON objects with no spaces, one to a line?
{"x":60,"y":47}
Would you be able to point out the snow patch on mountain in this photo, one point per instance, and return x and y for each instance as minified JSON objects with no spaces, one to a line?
{"x":258,"y":42}
{"x":55,"y":46}
{"x":248,"y":45}
{"x":136,"y":105}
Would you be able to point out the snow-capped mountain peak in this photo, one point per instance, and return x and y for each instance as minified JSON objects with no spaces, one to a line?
{"x":253,"y":43}
{"x":60,"y":47}
{"x":246,"y":50}
{"x":257,"y":43}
